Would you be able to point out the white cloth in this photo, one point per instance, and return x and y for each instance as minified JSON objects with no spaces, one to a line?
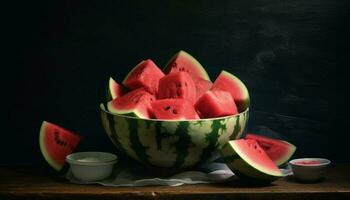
{"x":214,"y":172}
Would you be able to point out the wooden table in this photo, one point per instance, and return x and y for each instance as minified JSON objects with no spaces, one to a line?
{"x":33,"y":183}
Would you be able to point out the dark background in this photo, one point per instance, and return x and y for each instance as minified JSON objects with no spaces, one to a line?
{"x":292,"y":55}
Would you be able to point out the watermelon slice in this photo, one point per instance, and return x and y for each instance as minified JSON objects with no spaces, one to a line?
{"x":135,"y":103}
{"x":177,"y":85}
{"x":249,"y":161}
{"x":56,"y":143}
{"x":146,"y":74}
{"x":216,"y":103}
{"x":202,"y":86}
{"x":114,"y":89}
{"x":183,"y":61}
{"x":279,"y":151}
{"x":230,"y":83}
{"x":176,"y":109}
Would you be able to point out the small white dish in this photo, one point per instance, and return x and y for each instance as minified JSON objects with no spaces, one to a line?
{"x":91,"y":166}
{"x":309,"y":169}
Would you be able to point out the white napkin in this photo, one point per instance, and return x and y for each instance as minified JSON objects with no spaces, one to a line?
{"x":214,"y":172}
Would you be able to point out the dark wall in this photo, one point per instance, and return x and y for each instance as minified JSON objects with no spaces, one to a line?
{"x":292,"y":55}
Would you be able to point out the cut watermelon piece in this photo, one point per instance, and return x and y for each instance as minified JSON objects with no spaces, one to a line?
{"x":248,"y":160}
{"x":202,"y":86}
{"x":216,"y":103}
{"x":230,"y":83}
{"x":146,"y":74}
{"x":279,"y":151}
{"x":56,"y":143}
{"x":184,"y":62}
{"x":177,"y":85}
{"x":176,"y":109}
{"x":114,"y":89}
{"x":135,"y":103}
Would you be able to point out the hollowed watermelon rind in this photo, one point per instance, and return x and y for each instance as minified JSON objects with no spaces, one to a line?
{"x":238,"y":161}
{"x":171,"y":144}
{"x":201,"y":72}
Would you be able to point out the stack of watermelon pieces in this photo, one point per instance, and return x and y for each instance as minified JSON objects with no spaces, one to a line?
{"x":181,"y":91}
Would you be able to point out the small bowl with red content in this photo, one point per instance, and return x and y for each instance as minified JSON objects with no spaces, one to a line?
{"x":309,"y":169}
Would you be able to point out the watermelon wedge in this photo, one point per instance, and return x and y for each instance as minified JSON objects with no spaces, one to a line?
{"x":135,"y":103}
{"x":114,"y":89}
{"x":202,"y":86}
{"x":230,"y":83}
{"x":216,"y":103}
{"x":146,"y":74}
{"x":279,"y":151}
{"x":177,"y":85}
{"x":175,"y":109}
{"x":56,"y":143}
{"x":249,"y":161}
{"x":184,"y":62}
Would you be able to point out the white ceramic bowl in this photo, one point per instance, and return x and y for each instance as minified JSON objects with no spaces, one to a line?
{"x":309,"y":169}
{"x":91,"y":166}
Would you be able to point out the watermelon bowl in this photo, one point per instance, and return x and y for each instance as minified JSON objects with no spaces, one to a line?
{"x":172,"y":145}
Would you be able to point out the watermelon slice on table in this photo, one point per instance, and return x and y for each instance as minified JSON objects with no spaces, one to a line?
{"x":177,"y":85}
{"x":114,"y":89}
{"x":184,"y":62}
{"x":249,"y":161}
{"x":56,"y":143}
{"x":279,"y":151}
{"x":216,"y":103}
{"x":176,"y":109}
{"x":230,"y":83}
{"x":146,"y":74}
{"x":135,"y":103}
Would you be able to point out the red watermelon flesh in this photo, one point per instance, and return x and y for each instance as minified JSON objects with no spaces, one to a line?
{"x":135,"y":103}
{"x":56,"y":143}
{"x":146,"y":74}
{"x":184,"y":62}
{"x":230,"y":83}
{"x":177,"y":85}
{"x":279,"y":151}
{"x":202,"y":86}
{"x":115,"y":89}
{"x":216,"y":103}
{"x":176,"y":109}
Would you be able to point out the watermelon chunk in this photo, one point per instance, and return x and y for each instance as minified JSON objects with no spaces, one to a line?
{"x":56,"y":143}
{"x":230,"y":83}
{"x":202,"y":86}
{"x":135,"y":103}
{"x":146,"y":74}
{"x":177,"y":85}
{"x":216,"y":103}
{"x":183,"y":61}
{"x":279,"y":151}
{"x":114,"y":89}
{"x":176,"y":109}
{"x":249,"y":161}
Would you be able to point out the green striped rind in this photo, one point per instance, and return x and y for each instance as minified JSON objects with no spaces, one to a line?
{"x":171,"y":144}
{"x":238,"y":162}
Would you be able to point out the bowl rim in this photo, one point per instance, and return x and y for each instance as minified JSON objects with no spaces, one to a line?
{"x":107,"y":158}
{"x":103,"y":108}
{"x":323,"y":161}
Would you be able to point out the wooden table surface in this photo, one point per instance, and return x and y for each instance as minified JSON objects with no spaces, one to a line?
{"x":28,"y":182}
